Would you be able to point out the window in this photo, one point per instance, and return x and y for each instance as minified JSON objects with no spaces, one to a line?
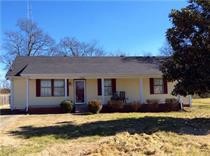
{"x":46,"y":88}
{"x":59,"y":88}
{"x":107,"y":87}
{"x":158,"y":86}
{"x":52,"y":88}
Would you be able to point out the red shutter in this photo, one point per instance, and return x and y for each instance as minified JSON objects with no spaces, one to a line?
{"x":165,"y":86}
{"x":151,"y":82}
{"x":38,"y":87}
{"x":67,"y":87}
{"x":52,"y":87}
{"x":99,"y":87}
{"x":113,"y":86}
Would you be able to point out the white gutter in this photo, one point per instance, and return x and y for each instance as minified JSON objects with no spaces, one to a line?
{"x":12,"y":95}
{"x":190,"y":100}
{"x":76,"y":76}
{"x":102,"y":87}
{"x":141,"y":93}
{"x":27,"y":94}
{"x":66,"y":84}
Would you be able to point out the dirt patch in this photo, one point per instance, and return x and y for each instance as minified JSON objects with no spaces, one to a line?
{"x":144,"y":144}
{"x":8,"y":120}
{"x":124,"y":144}
{"x":70,"y":149}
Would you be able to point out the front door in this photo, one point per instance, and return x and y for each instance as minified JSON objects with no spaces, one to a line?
{"x":79,"y":86}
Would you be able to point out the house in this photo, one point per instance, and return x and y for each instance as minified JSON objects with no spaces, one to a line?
{"x":45,"y":81}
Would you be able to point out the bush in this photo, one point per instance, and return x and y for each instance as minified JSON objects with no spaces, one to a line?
{"x":105,"y":109}
{"x":94,"y":106}
{"x":115,"y":105}
{"x":66,"y":106}
{"x":152,"y":101}
{"x":171,"y":101}
{"x":152,"y":107}
{"x":172,"y":104}
{"x":132,"y":107}
{"x":135,"y":106}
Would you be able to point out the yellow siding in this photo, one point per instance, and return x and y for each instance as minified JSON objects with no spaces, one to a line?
{"x":19,"y":93}
{"x":131,"y":88}
{"x":129,"y":85}
{"x":71,"y":89}
{"x":41,"y":101}
{"x":161,"y":97}
{"x":92,"y":90}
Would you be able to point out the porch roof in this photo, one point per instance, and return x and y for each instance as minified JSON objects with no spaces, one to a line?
{"x":57,"y":65}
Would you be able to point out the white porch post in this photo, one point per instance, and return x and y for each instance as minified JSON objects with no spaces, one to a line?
{"x":12,"y":95}
{"x":180,"y":101}
{"x":141,"y":94}
{"x":65,"y":88}
{"x":27,"y":94}
{"x":190,"y":100}
{"x":102,"y":88}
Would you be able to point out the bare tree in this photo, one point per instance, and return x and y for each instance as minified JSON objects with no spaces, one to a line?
{"x":29,"y":40}
{"x":73,"y":47}
{"x":166,"y":49}
{"x":147,"y":54}
{"x":4,"y":83}
{"x":118,"y":52}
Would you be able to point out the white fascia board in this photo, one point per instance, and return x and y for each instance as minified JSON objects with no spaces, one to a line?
{"x":14,"y":77}
{"x":81,"y":76}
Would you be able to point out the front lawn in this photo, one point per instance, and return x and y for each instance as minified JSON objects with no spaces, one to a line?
{"x":174,"y":133}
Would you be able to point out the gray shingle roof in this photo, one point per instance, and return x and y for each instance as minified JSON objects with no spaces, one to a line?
{"x":85,"y":65}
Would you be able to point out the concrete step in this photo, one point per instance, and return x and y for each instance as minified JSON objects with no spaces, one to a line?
{"x":81,"y":108}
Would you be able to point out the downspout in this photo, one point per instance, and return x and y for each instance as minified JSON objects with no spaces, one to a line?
{"x":190,"y":100}
{"x":141,"y":90}
{"x":65,"y":88}
{"x":180,"y":101}
{"x":12,"y":94}
{"x":102,"y":87}
{"x":27,"y":93}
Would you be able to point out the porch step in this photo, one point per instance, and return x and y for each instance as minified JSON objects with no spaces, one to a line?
{"x":81,"y":108}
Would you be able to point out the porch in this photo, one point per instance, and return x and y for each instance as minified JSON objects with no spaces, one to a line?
{"x":48,"y":92}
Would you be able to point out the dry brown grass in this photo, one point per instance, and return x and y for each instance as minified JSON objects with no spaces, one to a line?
{"x":201,"y":101}
{"x":174,"y":133}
